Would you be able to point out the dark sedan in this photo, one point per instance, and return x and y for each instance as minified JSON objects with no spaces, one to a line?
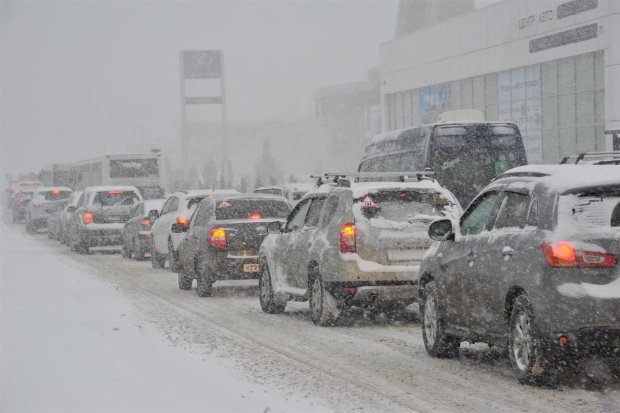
{"x":532,"y":264}
{"x":223,"y":239}
{"x":136,"y":232}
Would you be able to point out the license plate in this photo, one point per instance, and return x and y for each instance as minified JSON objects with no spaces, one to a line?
{"x":251,"y":268}
{"x":413,"y":254}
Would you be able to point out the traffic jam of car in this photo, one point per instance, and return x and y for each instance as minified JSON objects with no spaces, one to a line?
{"x":530,"y":265}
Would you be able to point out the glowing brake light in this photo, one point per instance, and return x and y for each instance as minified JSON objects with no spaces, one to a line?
{"x":347,"y":238}
{"x":564,"y":255}
{"x":88,"y":218}
{"x":56,"y":191}
{"x":217,"y":238}
{"x":183,"y":221}
{"x":255,"y":216}
{"x":146,"y":224}
{"x":22,"y":201}
{"x":116,"y":192}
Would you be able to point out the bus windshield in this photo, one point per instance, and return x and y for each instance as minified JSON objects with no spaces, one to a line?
{"x":466,"y":158}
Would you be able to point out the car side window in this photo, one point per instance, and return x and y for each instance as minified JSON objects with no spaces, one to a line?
{"x":476,"y":218}
{"x":166,"y":208}
{"x":195,"y":220}
{"x":331,"y":205}
{"x":532,"y":216}
{"x":174,"y":204}
{"x":81,"y":200}
{"x":513,"y":211}
{"x":296,"y":218}
{"x":314,"y":212}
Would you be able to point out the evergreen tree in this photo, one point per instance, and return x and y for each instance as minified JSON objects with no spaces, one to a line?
{"x":266,"y":170}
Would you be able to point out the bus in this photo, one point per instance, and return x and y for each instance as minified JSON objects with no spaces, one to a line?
{"x":140,"y":170}
{"x":465,"y":156}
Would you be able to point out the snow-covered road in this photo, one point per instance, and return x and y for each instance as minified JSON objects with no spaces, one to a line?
{"x":97,"y":332}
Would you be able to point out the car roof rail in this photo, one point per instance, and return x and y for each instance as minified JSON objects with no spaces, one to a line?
{"x":584,"y":155}
{"x":402,"y":176}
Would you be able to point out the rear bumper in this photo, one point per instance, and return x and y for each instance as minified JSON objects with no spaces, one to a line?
{"x":600,"y":341}
{"x":352,"y":268}
{"x":224,"y":266}
{"x":375,"y":293}
{"x":100,"y":235}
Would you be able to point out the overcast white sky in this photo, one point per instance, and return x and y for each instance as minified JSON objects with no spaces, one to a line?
{"x":81,"y":78}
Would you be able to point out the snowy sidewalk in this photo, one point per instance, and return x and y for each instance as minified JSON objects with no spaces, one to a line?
{"x":70,"y":342}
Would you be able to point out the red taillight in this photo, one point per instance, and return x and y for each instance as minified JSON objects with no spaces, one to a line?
{"x":88,"y":218}
{"x":255,"y":216}
{"x":347,"y":238}
{"x":116,"y":192}
{"x":182,"y":221}
{"x":217,"y":238}
{"x":564,"y":255}
{"x":146,"y":224}
{"x":22,"y":201}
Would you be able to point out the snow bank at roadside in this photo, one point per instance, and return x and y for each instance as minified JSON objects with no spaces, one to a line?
{"x":70,"y":343}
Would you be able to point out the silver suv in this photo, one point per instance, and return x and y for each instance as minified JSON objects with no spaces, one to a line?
{"x":351,"y":244}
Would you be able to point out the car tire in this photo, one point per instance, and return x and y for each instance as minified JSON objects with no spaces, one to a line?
{"x":323,"y":306}
{"x":524,"y":346}
{"x":138,"y":251}
{"x":125,"y":251}
{"x":185,"y":281}
{"x":437,"y":342}
{"x":267,"y":298}
{"x":204,"y":286}
{"x":157,"y":261}
{"x":173,"y":259}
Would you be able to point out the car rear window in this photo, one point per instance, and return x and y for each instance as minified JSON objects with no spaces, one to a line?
{"x":115,"y":197}
{"x":192,"y":202}
{"x":590,"y":209}
{"x":56,"y":195}
{"x":251,"y":209}
{"x":402,"y":206}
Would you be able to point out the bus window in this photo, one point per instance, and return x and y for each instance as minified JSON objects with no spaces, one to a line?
{"x":466,"y":158}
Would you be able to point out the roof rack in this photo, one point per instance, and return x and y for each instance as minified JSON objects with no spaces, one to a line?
{"x":582,"y":156}
{"x":336,"y":177}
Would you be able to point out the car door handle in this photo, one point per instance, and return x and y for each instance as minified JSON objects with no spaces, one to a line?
{"x":507,"y":251}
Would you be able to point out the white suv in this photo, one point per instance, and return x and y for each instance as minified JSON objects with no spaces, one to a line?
{"x":352,"y":244}
{"x":178,"y":209}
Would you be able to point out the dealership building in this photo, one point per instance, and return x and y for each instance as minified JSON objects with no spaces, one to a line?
{"x":550,"y":66}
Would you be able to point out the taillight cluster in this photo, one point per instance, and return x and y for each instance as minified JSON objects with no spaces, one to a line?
{"x":146,"y":224}
{"x":88,"y":218}
{"x":218,"y":238}
{"x":563,"y":254}
{"x":183,"y":222}
{"x":347,"y":238}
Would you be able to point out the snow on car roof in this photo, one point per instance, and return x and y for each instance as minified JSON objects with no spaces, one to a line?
{"x":111,"y":188}
{"x":51,"y":188}
{"x":206,"y":192}
{"x":360,"y":189}
{"x":562,"y":178}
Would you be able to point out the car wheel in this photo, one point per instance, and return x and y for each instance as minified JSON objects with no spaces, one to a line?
{"x":524,"y":347}
{"x":267,"y":298}
{"x":185,"y":281}
{"x":125,"y":251}
{"x":436,"y":341}
{"x":204,"y":287}
{"x":138,"y":250}
{"x":157,"y":261}
{"x":323,"y":306}
{"x":173,"y":259}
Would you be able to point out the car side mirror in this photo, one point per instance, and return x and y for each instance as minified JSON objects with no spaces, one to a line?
{"x":441,"y":230}
{"x":71,"y":209}
{"x":274,"y":227}
{"x":178,"y":228}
